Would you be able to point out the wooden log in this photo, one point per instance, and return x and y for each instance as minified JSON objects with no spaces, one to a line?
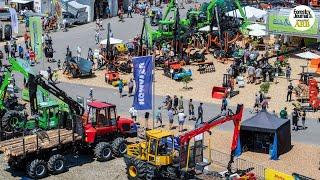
{"x":52,"y":137}
{"x":18,"y":140}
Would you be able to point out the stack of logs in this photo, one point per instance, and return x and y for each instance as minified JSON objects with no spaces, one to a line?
{"x":46,"y":140}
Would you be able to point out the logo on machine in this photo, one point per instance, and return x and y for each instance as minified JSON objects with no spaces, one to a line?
{"x":302,"y":18}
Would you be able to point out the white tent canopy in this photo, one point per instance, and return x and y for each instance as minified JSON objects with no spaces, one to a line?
{"x":21,"y":1}
{"x":258,"y":33}
{"x":112,"y":41}
{"x":256,"y":27}
{"x":250,"y":12}
{"x":207,"y":29}
{"x":308,"y":55}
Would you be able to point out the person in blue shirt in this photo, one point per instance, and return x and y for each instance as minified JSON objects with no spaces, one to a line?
{"x":20,"y":50}
{"x":120,"y":86}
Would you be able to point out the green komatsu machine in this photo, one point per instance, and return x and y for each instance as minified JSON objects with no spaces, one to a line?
{"x":46,"y":112}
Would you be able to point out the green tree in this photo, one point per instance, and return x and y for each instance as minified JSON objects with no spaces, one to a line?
{"x":186,"y":80}
{"x":265,"y":87}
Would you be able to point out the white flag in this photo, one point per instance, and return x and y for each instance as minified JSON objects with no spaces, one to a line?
{"x":14,"y":20}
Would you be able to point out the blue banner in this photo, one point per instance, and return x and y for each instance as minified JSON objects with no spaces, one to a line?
{"x":274,"y":148}
{"x":142,"y":71}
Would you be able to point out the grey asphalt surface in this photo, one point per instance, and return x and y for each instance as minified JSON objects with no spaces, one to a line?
{"x":84,"y":37}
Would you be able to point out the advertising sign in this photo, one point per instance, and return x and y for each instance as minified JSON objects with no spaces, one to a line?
{"x":271,"y":174}
{"x":295,"y":22}
{"x":142,"y":71}
{"x":35,"y":28}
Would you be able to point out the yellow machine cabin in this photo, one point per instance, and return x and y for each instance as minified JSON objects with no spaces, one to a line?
{"x":158,"y":149}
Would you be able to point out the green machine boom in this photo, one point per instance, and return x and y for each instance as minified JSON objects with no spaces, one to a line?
{"x":46,"y":111}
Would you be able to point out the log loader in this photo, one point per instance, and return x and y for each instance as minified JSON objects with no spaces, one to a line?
{"x":156,"y":158}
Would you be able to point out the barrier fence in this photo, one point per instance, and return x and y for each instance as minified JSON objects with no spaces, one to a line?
{"x":220,"y":161}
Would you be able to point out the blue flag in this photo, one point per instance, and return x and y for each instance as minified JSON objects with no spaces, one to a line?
{"x":142,"y":71}
{"x":238,"y":149}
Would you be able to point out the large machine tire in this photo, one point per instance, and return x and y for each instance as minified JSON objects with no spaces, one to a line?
{"x":103,"y":152}
{"x":10,"y":120}
{"x":136,"y":169}
{"x":37,"y":169}
{"x":119,"y":147}
{"x":57,"y":164}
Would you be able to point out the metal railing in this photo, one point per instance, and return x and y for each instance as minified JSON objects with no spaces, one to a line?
{"x":219,"y":161}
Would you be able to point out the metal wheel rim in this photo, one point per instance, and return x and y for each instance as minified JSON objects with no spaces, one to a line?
{"x":106,"y":152}
{"x":133,"y":171}
{"x":40,"y":169}
{"x":123,"y":148}
{"x":13,"y":121}
{"x":58,"y":165}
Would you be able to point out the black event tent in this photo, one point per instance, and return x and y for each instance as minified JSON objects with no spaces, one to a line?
{"x":266,"y":133}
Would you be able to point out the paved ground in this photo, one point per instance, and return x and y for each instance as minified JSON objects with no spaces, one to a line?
{"x":84,"y":37}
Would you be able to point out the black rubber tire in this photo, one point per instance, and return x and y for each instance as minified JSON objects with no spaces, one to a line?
{"x":37,"y":169}
{"x":119,"y":147}
{"x":139,"y":166}
{"x":103,"y":152}
{"x":53,"y":164}
{"x":8,"y":116}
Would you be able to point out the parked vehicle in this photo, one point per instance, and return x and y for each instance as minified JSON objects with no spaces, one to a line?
{"x":5,"y":14}
{"x":70,"y":18}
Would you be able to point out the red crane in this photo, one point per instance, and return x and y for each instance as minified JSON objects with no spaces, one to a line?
{"x":216,"y":121}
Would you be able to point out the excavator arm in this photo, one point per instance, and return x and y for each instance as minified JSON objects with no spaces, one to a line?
{"x":3,"y":88}
{"x":171,"y":5}
{"x":216,"y":121}
{"x":210,"y":10}
{"x":242,"y":13}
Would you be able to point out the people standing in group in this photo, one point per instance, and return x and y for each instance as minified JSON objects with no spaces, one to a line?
{"x":284,"y":113}
{"x":130,"y":86}
{"x":133,"y":112}
{"x":170,"y":117}
{"x":295,"y":118}
{"x":289,"y":93}
{"x":159,"y":116}
{"x":191,"y":110}
{"x":181,"y":119}
{"x":120,"y":87}
{"x":200,"y":114}
{"x":175,"y":104}
{"x":303,"y":119}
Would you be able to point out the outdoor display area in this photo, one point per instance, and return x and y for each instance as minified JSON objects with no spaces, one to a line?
{"x":231,"y":71}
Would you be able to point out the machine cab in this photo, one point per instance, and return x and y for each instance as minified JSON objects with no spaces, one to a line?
{"x":160,"y":147}
{"x":48,"y":115}
{"x":101,"y":118}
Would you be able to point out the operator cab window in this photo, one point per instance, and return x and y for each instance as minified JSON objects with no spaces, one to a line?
{"x":103,"y":117}
{"x":112,"y":116}
{"x":92,"y":116}
{"x":165,"y":146}
{"x":153,"y":146}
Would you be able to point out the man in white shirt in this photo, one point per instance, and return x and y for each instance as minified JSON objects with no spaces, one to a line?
{"x":133,"y":112}
{"x":181,"y":118}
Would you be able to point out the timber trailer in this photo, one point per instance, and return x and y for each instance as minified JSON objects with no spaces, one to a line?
{"x":155,"y":158}
{"x":99,"y":131}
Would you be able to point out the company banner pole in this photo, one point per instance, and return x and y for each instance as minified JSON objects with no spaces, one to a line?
{"x":153,"y":90}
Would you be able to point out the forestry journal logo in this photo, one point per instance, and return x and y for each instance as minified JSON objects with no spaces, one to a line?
{"x":302,"y":18}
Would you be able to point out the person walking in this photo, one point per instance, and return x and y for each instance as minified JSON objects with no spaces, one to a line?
{"x":7,"y":49}
{"x":78,"y":51}
{"x":120,"y":86}
{"x":224,"y":105}
{"x":181,"y":107}
{"x":26,"y":38}
{"x":191,"y":110}
{"x":264,"y":104}
{"x":20,"y":50}
{"x":130,"y":86}
{"x":170,"y":117}
{"x":175,"y":104}
{"x":159,"y":116}
{"x":256,"y":103}
{"x":120,"y":14}
{"x":284,"y":113}
{"x":288,"y":72}
{"x":181,"y":119}
{"x":200,"y":114}
{"x":97,"y":37}
{"x":303,"y":119}
{"x":91,"y":94}
{"x":289,"y":93}
{"x":133,"y":112}
{"x":49,"y":71}
{"x":32,"y":56}
{"x":146,"y":119}
{"x":129,"y":11}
